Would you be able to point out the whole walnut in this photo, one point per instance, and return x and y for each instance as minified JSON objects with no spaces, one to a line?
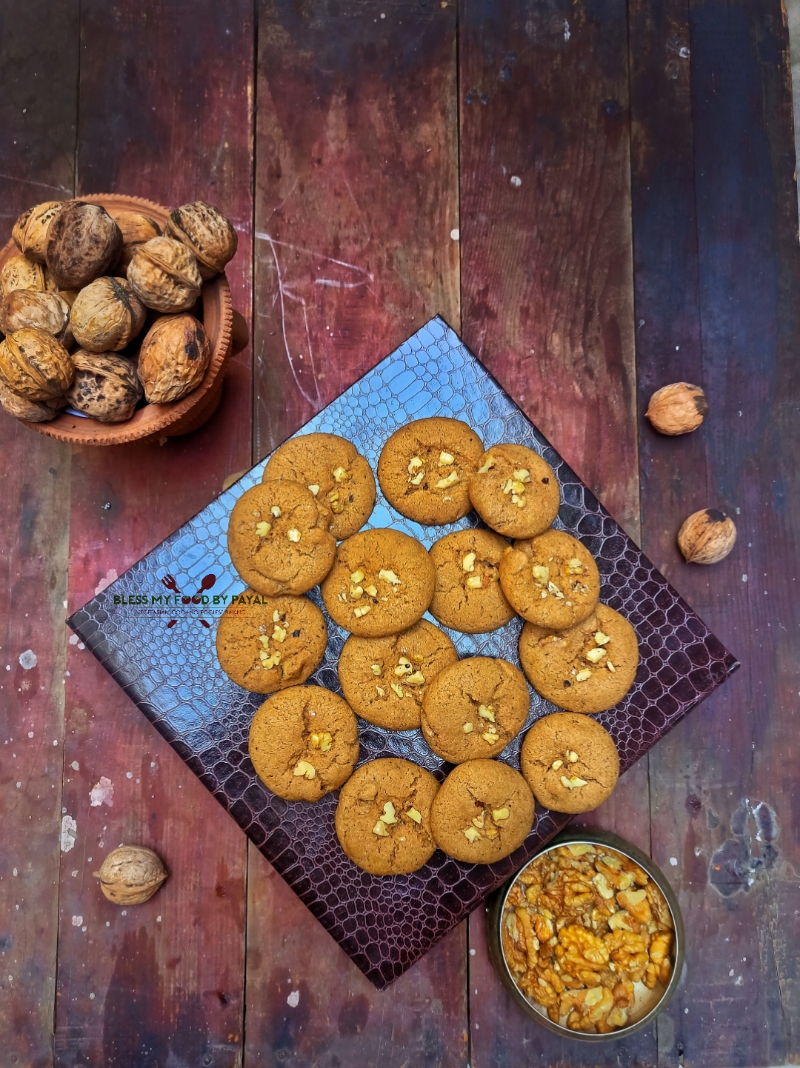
{"x":174,"y":356}
{"x":131,"y":875}
{"x":136,"y":229}
{"x":164,"y":275}
{"x":31,"y":229}
{"x":106,"y":315}
{"x":31,"y":411}
{"x":19,"y":272}
{"x":105,"y":386}
{"x":45,"y":311}
{"x":82,"y":243}
{"x":35,"y":365}
{"x":206,"y":232}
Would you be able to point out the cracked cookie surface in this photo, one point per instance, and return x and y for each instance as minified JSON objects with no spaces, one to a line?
{"x":304,"y":742}
{"x":268,"y":643}
{"x":384,"y":679}
{"x":468,"y":595}
{"x":587,"y":668}
{"x":483,"y":812}
{"x":474,"y":708}
{"x":334,"y":471}
{"x":515,"y":491}
{"x":570,"y":762}
{"x":550,"y":580}
{"x":383,"y":819}
{"x":425,"y":468}
{"x":279,"y":538}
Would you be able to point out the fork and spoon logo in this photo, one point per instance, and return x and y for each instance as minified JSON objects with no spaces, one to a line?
{"x":206,"y":584}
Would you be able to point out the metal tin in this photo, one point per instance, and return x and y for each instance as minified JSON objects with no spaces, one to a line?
{"x":495,"y":920}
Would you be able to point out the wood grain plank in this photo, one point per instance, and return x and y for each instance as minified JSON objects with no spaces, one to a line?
{"x":720,"y":152}
{"x":356,"y":195}
{"x":166,"y":97}
{"x":38,"y":106}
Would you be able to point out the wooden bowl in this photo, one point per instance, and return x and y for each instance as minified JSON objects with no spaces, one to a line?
{"x":155,"y":420}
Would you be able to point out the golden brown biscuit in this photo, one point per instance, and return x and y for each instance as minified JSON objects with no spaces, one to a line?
{"x":589,"y":667}
{"x":279,"y":538}
{"x":381,"y":583}
{"x":425,"y":467}
{"x":268,"y":643}
{"x":384,"y":679}
{"x":474,"y":708}
{"x":482,"y":812}
{"x":334,"y":471}
{"x":304,"y":742}
{"x":570,"y":762}
{"x":514,"y":491}
{"x":551,"y":580}
{"x":383,"y":819}
{"x":468,"y":596}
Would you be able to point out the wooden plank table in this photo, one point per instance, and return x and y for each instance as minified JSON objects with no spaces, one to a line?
{"x":602,"y":200}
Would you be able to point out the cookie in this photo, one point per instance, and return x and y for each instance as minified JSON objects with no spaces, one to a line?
{"x":570,"y":762}
{"x":381,"y":583}
{"x":551,"y":580}
{"x":385,"y":679}
{"x":473,"y":709}
{"x":514,"y":491}
{"x":383,"y":819}
{"x":425,"y":467}
{"x":279,"y":538}
{"x":304,"y":742}
{"x":334,"y":471}
{"x":268,"y":643}
{"x":588,"y":668}
{"x":468,"y":596}
{"x":483,"y":812}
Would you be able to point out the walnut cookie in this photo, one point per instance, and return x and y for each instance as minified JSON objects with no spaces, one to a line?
{"x":304,"y":742}
{"x":383,"y":819}
{"x":482,"y":812}
{"x":468,"y":596}
{"x":551,"y":580}
{"x":384,"y":679}
{"x":474,"y":709}
{"x":381,"y":583}
{"x":570,"y":762}
{"x":425,"y":467}
{"x":279,"y":538}
{"x":514,"y":491}
{"x":588,"y":668}
{"x":268,"y":643}
{"x":334,"y":471}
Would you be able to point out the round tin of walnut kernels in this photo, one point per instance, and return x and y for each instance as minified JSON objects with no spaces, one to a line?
{"x":648,"y":1003}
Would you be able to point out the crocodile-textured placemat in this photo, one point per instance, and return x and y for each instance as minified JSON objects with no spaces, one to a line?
{"x":161,"y":651}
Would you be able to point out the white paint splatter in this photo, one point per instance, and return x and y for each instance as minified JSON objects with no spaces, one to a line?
{"x":737,"y":981}
{"x":744,"y":578}
{"x":69,"y":831}
{"x":567,"y":34}
{"x":15,"y":872}
{"x":293,"y":999}
{"x":455,"y":234}
{"x":28,"y":659}
{"x":516,"y":181}
{"x":111,"y":576}
{"x":30,"y":734}
{"x":75,"y":640}
{"x":77,"y":921}
{"x":684,"y":52}
{"x":673,"y":861}
{"x":75,"y":765}
{"x":102,"y":793}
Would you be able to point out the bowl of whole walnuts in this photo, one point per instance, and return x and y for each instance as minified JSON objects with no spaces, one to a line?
{"x":117,"y":318}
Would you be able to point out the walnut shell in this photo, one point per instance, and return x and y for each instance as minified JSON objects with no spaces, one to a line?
{"x":105,"y":386}
{"x":106,"y":315}
{"x":131,"y":874}
{"x":50,"y":286}
{"x":164,"y":275}
{"x":31,"y":229}
{"x":45,"y":311}
{"x":82,"y":243}
{"x":677,"y":409}
{"x":136,"y":230}
{"x":35,"y":365}
{"x":206,"y":232}
{"x":19,"y":272}
{"x":706,"y":536}
{"x":173,"y":359}
{"x":30,"y":411}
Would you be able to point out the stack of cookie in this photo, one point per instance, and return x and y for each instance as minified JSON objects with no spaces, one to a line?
{"x":400,"y":671}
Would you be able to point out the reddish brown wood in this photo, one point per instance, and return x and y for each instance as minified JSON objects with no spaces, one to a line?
{"x":38,"y":52}
{"x":165,"y":113}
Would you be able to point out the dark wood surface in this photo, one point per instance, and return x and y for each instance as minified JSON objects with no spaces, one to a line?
{"x":651,"y":237}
